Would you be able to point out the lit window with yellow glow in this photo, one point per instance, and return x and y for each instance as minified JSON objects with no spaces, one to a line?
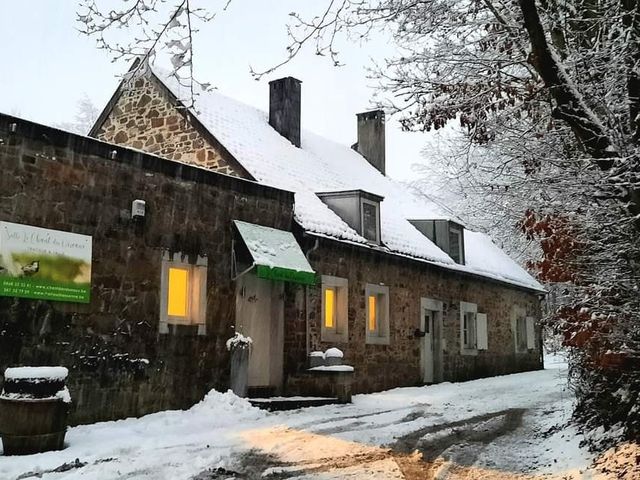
{"x":335,"y":307}
{"x":330,"y":308}
{"x":377,"y":314}
{"x":178,"y":292}
{"x":373,"y":313}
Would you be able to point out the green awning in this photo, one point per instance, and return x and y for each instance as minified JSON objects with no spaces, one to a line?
{"x":276,"y":254}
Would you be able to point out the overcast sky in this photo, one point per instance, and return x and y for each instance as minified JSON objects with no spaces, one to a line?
{"x":47,"y":66}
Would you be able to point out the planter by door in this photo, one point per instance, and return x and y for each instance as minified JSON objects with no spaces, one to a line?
{"x":240,"y":371}
{"x":34,"y":406}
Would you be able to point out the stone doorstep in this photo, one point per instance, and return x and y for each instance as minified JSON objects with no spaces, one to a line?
{"x":277,"y":404}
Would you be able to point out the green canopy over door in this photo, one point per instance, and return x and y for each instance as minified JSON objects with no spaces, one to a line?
{"x":276,"y":254}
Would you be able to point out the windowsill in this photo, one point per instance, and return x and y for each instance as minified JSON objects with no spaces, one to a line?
{"x":183,"y":329}
{"x":470,"y":351}
{"x":377,"y":340}
{"x":333,"y":337}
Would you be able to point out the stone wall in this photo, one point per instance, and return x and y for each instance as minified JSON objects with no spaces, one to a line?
{"x":379,"y":367}
{"x":144,"y":117}
{"x":119,"y":364}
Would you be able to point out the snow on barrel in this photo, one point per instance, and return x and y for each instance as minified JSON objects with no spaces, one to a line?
{"x":34,"y":405}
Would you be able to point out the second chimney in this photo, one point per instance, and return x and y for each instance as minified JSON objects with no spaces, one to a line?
{"x":284,"y":108}
{"x":371,"y":141}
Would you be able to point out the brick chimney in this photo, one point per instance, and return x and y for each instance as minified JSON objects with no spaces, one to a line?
{"x":371,"y":143}
{"x":284,"y":107}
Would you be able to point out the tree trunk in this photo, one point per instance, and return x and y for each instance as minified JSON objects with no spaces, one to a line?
{"x":570,"y":107}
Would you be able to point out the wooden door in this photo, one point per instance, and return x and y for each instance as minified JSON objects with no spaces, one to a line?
{"x":259,"y":315}
{"x":426,"y":325}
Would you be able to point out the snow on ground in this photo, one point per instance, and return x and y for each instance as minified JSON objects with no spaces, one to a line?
{"x":502,"y":427}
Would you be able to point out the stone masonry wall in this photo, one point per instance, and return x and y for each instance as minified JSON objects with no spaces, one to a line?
{"x":380,"y":367}
{"x":144,"y":118}
{"x":119,"y":364}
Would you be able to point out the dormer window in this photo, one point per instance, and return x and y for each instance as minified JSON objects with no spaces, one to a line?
{"x":371,"y":220}
{"x":447,"y":235}
{"x":455,"y":244}
{"x":359,"y":209}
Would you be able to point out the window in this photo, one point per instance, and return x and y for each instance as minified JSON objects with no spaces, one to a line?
{"x":330,"y":308}
{"x":183,"y":292}
{"x":359,"y":209}
{"x":455,"y":244}
{"x":469,"y":331}
{"x":335,"y":294}
{"x":524,"y":333}
{"x":370,"y":221}
{"x":377,"y":314}
{"x":446,"y":234}
{"x":178,"y":292}
{"x":473,"y":329}
{"x":374,"y":300}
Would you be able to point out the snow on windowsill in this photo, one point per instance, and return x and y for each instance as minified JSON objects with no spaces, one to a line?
{"x":332,"y":368}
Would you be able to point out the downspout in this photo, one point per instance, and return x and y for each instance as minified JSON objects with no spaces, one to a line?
{"x":306,"y":298}
{"x":543,"y":310}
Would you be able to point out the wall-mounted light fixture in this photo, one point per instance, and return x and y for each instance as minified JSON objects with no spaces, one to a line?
{"x":138,"y":210}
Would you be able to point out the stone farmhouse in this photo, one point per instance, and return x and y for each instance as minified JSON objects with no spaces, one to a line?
{"x":406,"y":291}
{"x":222,"y":218}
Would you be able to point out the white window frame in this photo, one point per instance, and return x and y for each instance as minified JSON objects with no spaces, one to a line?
{"x":340,"y":331}
{"x":382,"y":334}
{"x":196,"y":295}
{"x":377,"y":207}
{"x":468,"y":348}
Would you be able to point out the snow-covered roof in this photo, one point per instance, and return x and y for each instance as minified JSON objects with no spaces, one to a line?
{"x":322,"y":165}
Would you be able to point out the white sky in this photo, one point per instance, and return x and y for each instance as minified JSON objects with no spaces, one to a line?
{"x":47,"y":66}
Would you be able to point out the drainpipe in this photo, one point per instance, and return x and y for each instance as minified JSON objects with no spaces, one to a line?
{"x":306,"y":298}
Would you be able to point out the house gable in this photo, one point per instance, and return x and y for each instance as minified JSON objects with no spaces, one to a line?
{"x":144,"y":115}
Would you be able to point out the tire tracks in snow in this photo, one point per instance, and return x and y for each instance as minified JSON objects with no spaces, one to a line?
{"x":434,"y":452}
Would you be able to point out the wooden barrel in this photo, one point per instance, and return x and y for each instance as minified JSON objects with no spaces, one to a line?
{"x":33,"y":411}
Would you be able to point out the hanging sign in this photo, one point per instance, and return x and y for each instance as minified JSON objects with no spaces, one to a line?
{"x":44,"y":264}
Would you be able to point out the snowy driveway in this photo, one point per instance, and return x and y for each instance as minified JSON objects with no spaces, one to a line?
{"x":497,"y":428}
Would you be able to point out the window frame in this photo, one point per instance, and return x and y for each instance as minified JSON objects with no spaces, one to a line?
{"x":196,"y":292}
{"x":375,"y":205}
{"x":381,"y":335}
{"x":470,"y":331}
{"x":339,"y":333}
{"x":465,"y":346}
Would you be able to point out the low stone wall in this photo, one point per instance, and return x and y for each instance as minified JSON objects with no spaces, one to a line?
{"x":119,"y":364}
